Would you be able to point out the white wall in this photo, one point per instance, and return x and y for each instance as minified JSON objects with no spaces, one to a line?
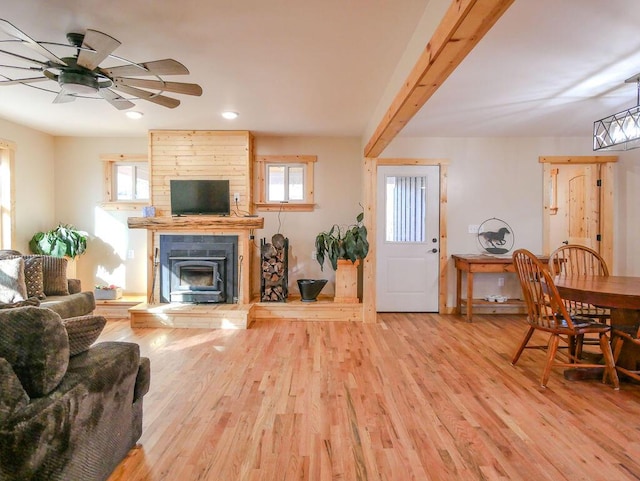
{"x":79,"y":189}
{"x":61,"y":180}
{"x":627,"y":218}
{"x":338,"y":187}
{"x":501,"y":177}
{"x":34,"y":189}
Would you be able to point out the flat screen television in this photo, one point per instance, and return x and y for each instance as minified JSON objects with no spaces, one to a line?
{"x":200,"y":197}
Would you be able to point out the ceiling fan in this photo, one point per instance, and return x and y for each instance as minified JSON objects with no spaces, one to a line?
{"x":80,"y":75}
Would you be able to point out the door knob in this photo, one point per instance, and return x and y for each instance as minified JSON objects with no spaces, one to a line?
{"x":434,"y":250}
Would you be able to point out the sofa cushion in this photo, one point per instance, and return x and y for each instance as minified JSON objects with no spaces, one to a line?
{"x":82,"y":332}
{"x":35,"y":343}
{"x":12,"y":395}
{"x":73,"y":305}
{"x":12,"y":285}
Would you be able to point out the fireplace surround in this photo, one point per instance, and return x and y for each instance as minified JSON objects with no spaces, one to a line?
{"x":199,"y":269}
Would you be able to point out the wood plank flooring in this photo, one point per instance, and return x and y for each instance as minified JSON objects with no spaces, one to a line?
{"x":414,"y":397}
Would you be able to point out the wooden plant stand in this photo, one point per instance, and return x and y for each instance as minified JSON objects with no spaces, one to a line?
{"x":347,"y":282}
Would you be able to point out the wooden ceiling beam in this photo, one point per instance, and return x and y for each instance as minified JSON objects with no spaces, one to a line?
{"x":462,"y":27}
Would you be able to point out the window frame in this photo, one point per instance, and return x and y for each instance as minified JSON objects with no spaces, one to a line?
{"x":110,"y":162}
{"x":264,"y":162}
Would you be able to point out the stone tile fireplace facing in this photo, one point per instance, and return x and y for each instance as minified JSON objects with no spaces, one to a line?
{"x":199,"y":268}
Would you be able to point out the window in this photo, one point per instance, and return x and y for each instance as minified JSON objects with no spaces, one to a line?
{"x":7,"y":212}
{"x":126,"y":181}
{"x":285,"y":182}
{"x":406,"y":209}
{"x":131,"y":181}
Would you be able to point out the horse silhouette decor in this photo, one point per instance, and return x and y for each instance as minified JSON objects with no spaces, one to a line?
{"x":495,"y":236}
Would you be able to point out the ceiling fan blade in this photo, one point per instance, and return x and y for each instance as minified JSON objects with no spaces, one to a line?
{"x":143,"y":94}
{"x":37,"y":62}
{"x":17,"y":67}
{"x":151,"y":97}
{"x":116,"y":100}
{"x":177,"y":87}
{"x":158,"y":67}
{"x":15,"y":32}
{"x":22,"y":80}
{"x":63,"y":98}
{"x":101,"y":46}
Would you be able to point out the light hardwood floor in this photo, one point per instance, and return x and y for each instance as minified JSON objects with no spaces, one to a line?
{"x":414,"y":397}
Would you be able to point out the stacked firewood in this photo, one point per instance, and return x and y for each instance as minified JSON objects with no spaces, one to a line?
{"x":274,"y":270}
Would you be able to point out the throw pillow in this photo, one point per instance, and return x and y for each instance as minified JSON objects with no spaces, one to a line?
{"x":35,"y":343}
{"x":32,"y":301}
{"x":83,"y":331}
{"x":54,"y":273}
{"x":12,"y":285}
{"x":33,"y":275}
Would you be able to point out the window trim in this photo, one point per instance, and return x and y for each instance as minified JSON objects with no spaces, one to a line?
{"x":7,"y":194}
{"x":263,"y":161}
{"x":109,"y":162}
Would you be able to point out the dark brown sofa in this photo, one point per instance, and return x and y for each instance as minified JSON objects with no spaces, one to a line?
{"x":46,"y":284}
{"x":68,"y":411}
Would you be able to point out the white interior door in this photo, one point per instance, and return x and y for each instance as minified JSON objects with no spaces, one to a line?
{"x":408,"y":216}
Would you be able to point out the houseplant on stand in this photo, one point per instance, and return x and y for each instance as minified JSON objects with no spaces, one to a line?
{"x":344,"y":248}
{"x":62,"y":241}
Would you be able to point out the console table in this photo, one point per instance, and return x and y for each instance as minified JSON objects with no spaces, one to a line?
{"x":478,"y":263}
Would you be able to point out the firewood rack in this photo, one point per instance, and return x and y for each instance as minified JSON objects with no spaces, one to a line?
{"x":274,"y":261}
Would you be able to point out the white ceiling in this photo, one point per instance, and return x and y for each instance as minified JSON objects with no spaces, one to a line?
{"x":319,"y":67}
{"x":294,"y":67}
{"x":547,"y":68}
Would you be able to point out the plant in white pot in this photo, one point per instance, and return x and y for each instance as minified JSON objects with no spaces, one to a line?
{"x":344,"y":248}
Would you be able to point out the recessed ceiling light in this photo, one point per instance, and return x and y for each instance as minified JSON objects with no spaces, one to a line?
{"x":133,"y":114}
{"x":230,"y":115}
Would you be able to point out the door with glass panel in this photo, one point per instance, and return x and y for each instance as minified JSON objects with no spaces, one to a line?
{"x":408,"y":233}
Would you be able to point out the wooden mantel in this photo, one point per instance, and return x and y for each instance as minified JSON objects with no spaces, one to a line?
{"x":201,"y":222}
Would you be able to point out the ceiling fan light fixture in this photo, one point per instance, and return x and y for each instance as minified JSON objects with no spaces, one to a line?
{"x":77,"y":83}
{"x":229,"y":115}
{"x":620,"y":131}
{"x":134,"y":114}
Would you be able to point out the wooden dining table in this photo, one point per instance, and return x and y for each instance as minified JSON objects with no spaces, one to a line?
{"x":619,"y":293}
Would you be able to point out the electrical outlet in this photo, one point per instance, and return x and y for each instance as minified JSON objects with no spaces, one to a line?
{"x":236,"y":197}
{"x":314,"y":255}
{"x":474,"y":228}
{"x":500,"y":281}
{"x":130,"y":254}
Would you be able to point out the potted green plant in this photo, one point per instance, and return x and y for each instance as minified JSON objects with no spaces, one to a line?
{"x":63,"y":241}
{"x":344,"y":248}
{"x":349,"y":244}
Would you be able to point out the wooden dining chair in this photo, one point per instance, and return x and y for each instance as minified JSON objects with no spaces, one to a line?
{"x":620,"y":335}
{"x":575,"y":260}
{"x":546,"y":312}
